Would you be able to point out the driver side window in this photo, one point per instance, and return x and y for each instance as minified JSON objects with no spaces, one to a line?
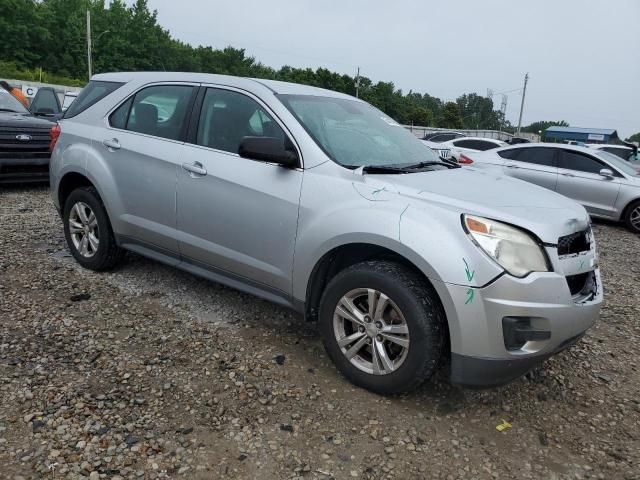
{"x":227,"y":117}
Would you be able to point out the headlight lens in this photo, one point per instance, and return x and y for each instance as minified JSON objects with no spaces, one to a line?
{"x":513,"y":249}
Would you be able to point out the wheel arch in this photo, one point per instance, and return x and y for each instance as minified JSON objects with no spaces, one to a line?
{"x":343,"y":256}
{"x":68,"y":183}
{"x":627,"y":207}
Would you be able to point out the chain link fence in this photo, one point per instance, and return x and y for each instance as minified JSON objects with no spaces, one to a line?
{"x":495,"y":134}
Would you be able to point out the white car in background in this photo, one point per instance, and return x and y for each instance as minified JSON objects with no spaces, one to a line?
{"x":607,"y":186}
{"x":460,"y":146}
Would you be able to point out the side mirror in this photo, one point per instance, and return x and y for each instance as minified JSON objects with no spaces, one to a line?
{"x":268,"y":149}
{"x":606,"y":172}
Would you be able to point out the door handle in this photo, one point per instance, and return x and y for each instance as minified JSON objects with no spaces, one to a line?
{"x":568,"y":174}
{"x":511,"y":165}
{"x":195,"y":168}
{"x":111,"y":143}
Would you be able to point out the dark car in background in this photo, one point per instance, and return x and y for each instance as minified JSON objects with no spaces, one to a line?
{"x":24,"y":140}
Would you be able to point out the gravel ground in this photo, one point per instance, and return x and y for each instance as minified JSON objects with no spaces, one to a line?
{"x":148,"y":372}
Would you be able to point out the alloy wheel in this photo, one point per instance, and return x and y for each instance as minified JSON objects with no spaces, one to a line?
{"x":83,"y":227}
{"x":635,"y":218}
{"x":371,"y":331}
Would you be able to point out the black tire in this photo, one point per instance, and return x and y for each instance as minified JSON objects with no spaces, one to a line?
{"x":422,"y":311}
{"x":108,"y":254}
{"x":629,"y":211}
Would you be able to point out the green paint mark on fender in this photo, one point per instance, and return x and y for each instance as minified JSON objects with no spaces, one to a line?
{"x":470,"y":295}
{"x":470,"y":273}
{"x":581,"y":265}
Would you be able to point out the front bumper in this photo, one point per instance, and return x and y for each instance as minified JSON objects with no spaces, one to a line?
{"x":21,"y":170}
{"x":481,"y":352}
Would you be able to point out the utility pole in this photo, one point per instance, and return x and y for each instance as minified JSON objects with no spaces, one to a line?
{"x":524,"y":92}
{"x":357,"y":84}
{"x":89,"y":42}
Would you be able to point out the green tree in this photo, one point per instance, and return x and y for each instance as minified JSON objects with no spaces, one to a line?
{"x":51,"y":34}
{"x":477,"y":112}
{"x":451,"y":117}
{"x":634,"y":138}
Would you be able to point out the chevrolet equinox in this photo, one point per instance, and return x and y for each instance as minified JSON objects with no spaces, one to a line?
{"x":320,"y":202}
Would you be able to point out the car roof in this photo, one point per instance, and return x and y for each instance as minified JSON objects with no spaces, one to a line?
{"x":602,"y":145}
{"x":285,"y":88}
{"x":563,"y":146}
{"x":478,"y":138}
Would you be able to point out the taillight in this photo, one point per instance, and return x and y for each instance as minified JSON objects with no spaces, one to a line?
{"x":464,"y":159}
{"x":54,"y":133}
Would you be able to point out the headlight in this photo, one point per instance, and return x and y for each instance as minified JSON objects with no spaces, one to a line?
{"x":513,"y":249}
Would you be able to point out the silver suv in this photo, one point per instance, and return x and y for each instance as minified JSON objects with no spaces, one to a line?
{"x":319,"y":202}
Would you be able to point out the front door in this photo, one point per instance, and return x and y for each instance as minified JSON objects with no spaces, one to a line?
{"x":237,"y":217}
{"x":579,"y":178}
{"x":142,"y":145}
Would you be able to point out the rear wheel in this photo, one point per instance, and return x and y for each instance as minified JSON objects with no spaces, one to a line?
{"x":383,"y":326}
{"x":88,"y":231}
{"x":632,"y":217}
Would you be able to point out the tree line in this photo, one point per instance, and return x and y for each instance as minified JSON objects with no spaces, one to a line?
{"x":50,"y":36}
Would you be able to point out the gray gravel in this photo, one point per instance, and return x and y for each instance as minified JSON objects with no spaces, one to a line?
{"x":147,"y":372}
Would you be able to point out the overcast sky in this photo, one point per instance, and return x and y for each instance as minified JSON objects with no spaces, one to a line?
{"x":583,"y":56}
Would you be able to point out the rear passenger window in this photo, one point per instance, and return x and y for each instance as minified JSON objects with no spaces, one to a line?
{"x":227,"y":117}
{"x":577,"y":161}
{"x":510,"y":154}
{"x":537,"y":156}
{"x":160,"y":111}
{"x":475,"y":144}
{"x":464,"y":144}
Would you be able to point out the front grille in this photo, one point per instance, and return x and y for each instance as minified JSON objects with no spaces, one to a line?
{"x":575,"y":243}
{"x":11,"y":147}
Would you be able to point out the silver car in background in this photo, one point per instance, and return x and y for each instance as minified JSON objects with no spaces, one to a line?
{"x":319,"y":202}
{"x":606,"y":185}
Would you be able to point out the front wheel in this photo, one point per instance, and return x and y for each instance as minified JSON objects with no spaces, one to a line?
{"x":383,"y":326}
{"x":632,"y":217}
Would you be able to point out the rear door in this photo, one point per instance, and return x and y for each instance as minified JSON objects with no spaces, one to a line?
{"x":237,"y":217}
{"x":579,"y":178}
{"x":536,"y":165}
{"x":142,"y":143}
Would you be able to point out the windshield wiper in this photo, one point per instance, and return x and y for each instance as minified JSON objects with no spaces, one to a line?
{"x":419,"y":165}
{"x":376,"y":169}
{"x":8,"y":110}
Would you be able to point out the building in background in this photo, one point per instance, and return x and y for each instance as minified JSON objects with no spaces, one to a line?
{"x":582,"y":135}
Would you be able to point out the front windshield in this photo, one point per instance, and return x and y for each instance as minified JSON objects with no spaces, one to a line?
{"x":9,"y":104}
{"x":355,"y":134}
{"x":618,"y":163}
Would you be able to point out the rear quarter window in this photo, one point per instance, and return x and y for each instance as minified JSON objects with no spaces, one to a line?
{"x":90,"y":95}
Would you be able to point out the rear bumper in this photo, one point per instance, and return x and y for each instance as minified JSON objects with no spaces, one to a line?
{"x":22,"y":170}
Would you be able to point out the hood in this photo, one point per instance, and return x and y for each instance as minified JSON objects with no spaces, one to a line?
{"x":464,"y":190}
{"x":23,"y":120}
